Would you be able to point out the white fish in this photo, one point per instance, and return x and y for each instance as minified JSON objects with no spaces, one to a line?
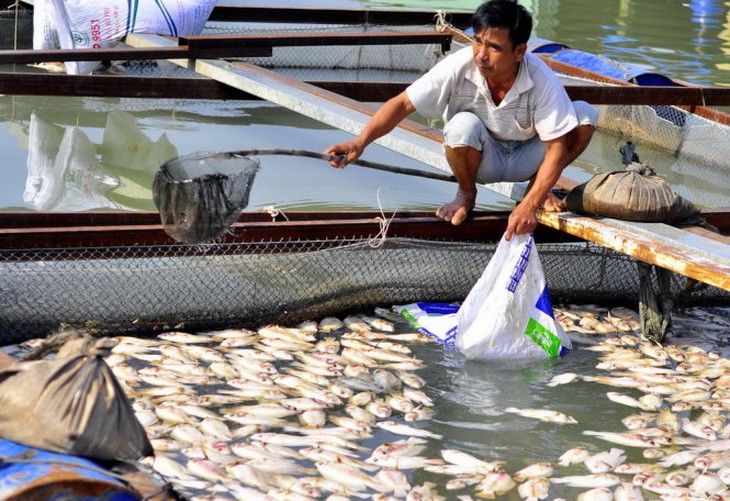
{"x":543,"y":415}
{"x":627,"y":492}
{"x":410,"y":446}
{"x":403,"y":462}
{"x":535,"y":470}
{"x":573,"y":456}
{"x":403,"y":429}
{"x":350,"y":477}
{"x":457,"y":457}
{"x":185,"y":338}
{"x":605,"y":461}
{"x":597,"y":494}
{"x":169,"y":468}
{"x":534,"y":489}
{"x":494,"y":484}
{"x":623,"y":399}
{"x":568,"y":377}
{"x":396,"y":479}
{"x":627,"y":439}
{"x":588,"y":481}
{"x":329,"y":324}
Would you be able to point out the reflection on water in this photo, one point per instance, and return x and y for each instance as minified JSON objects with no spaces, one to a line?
{"x":69,"y":172}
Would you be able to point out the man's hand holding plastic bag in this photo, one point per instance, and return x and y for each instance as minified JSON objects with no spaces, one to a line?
{"x":508,"y":313}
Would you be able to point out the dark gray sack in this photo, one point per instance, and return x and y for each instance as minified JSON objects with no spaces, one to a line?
{"x":72,"y":404}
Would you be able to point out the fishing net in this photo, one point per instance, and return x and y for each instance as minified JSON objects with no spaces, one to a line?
{"x":143,"y":289}
{"x":200,"y":196}
{"x":16,"y":27}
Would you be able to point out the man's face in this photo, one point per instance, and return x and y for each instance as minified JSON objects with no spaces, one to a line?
{"x":495,"y":56}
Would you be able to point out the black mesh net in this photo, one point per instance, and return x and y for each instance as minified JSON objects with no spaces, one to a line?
{"x":143,"y":289}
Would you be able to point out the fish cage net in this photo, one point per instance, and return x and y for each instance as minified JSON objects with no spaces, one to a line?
{"x":408,"y":61}
{"x":16,"y":27}
{"x":701,"y":146}
{"x":144,"y":289}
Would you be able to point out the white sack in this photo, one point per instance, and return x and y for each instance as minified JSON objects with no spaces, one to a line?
{"x":97,"y":24}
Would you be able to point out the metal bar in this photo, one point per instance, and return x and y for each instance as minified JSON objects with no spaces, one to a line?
{"x":651,"y":243}
{"x":384,"y":17}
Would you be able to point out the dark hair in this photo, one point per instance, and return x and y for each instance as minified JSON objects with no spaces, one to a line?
{"x":506,"y":14}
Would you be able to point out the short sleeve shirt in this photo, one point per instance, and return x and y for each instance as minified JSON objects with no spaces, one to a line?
{"x":537,"y":103}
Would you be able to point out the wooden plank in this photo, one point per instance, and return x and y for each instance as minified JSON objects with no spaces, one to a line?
{"x":206,"y":88}
{"x":699,"y":258}
{"x":231,"y":13}
{"x":197,"y":47}
{"x":22,"y":233}
{"x":689,"y":254}
{"x":226,"y":45}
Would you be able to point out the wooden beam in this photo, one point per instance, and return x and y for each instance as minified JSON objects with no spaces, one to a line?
{"x":220,"y":44}
{"x":201,"y":47}
{"x":384,"y":17}
{"x":71,"y":230}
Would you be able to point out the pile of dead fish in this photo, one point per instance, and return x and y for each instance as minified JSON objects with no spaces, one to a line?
{"x":286,"y":412}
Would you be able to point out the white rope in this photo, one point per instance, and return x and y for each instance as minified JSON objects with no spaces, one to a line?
{"x":273,"y":212}
{"x":379,"y":239}
{"x":441,"y":25}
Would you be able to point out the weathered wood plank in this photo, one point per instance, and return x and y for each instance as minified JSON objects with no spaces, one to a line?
{"x":231,"y":13}
{"x":226,"y":45}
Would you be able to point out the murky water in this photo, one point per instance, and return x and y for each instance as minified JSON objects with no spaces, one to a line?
{"x":470,"y":396}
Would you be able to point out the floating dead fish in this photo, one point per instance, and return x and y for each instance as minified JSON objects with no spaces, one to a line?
{"x":543,"y":415}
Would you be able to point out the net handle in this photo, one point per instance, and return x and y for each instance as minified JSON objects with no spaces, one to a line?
{"x":359,"y":162}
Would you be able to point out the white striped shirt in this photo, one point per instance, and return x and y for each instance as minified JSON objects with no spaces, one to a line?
{"x":537,"y":103}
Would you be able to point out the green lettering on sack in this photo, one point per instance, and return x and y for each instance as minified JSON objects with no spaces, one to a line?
{"x":543,"y":337}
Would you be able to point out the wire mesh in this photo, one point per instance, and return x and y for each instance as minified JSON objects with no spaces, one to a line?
{"x":137,"y":290}
{"x":16,"y":28}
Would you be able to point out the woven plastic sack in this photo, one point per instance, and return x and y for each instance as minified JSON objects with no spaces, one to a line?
{"x":634,"y":194}
{"x":508,"y":313}
{"x":72,"y":404}
{"x":92,"y":24}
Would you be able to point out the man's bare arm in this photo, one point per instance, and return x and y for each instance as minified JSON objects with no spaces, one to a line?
{"x":394,"y":111}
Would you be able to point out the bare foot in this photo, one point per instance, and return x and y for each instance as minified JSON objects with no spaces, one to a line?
{"x":458,"y":209}
{"x":553,"y":203}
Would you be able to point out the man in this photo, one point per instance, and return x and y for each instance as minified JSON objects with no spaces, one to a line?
{"x":507,"y":115}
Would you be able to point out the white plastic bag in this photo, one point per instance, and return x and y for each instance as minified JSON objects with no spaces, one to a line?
{"x":508,"y":313}
{"x":435,"y":319}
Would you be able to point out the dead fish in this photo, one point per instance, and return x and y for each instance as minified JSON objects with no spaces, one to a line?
{"x":568,"y":377}
{"x":597,"y":494}
{"x":534,"y":489}
{"x":589,"y":481}
{"x":627,"y":439}
{"x":185,"y":338}
{"x":402,"y":429}
{"x":543,"y":415}
{"x":535,"y":470}
{"x":495,"y":484}
{"x":573,"y":456}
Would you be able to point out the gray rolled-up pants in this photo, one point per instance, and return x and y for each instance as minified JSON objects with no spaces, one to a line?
{"x":510,"y":161}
